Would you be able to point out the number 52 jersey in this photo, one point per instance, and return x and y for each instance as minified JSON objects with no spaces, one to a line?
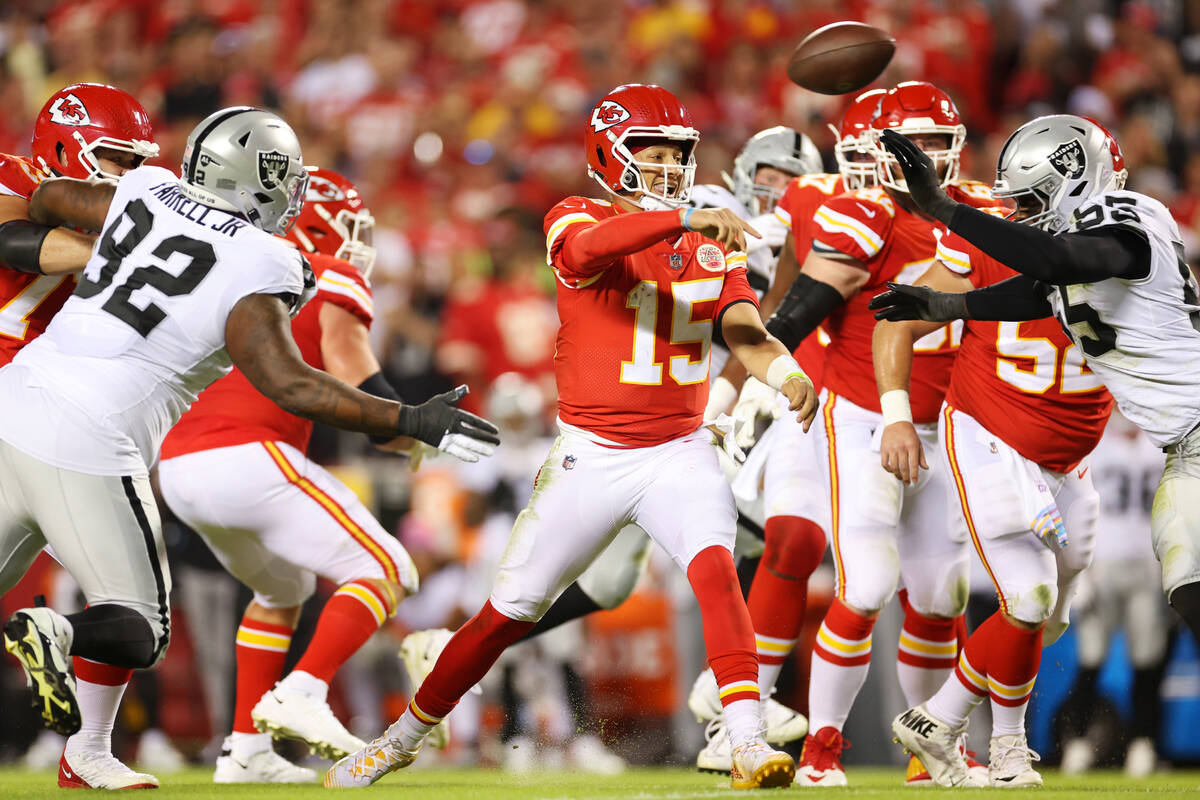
{"x":144,"y":331}
{"x":632,"y":354}
{"x":1142,"y":337}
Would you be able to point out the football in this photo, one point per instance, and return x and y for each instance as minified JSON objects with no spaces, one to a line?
{"x":841,"y":57}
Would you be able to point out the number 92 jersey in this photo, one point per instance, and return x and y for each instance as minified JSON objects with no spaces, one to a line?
{"x":1142,"y":337}
{"x":632,"y":354}
{"x":144,"y":332}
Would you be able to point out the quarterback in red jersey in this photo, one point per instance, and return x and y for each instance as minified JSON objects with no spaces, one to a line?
{"x":85,"y":130}
{"x":234,"y":469}
{"x":643,"y":285}
{"x":1022,"y":414}
{"x":881,"y":530}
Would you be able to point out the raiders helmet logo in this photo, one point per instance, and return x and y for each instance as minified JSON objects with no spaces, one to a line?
{"x":68,"y":110}
{"x":272,"y":167}
{"x":323,"y":190}
{"x":607,"y":114}
{"x":1068,"y":159}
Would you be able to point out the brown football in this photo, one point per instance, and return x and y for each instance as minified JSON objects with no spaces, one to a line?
{"x":841,"y":57}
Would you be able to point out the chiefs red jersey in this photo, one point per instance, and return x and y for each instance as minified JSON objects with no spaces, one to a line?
{"x":1026,"y":382}
{"x":27,"y":301}
{"x":231,"y":411}
{"x":632,"y":352}
{"x":795,"y":209}
{"x":893,"y":245}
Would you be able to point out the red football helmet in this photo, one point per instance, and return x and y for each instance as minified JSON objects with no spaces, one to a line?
{"x":917,"y":107}
{"x":853,"y":138}
{"x":1114,"y":149}
{"x":82,"y":117}
{"x":335,"y":221}
{"x":632,"y":116}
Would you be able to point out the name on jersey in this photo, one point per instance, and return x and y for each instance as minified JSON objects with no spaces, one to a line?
{"x":173,"y":198}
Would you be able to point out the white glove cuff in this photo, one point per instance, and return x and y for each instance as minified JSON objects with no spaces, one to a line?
{"x":781,"y":369}
{"x":721,"y":396}
{"x":895,"y":407}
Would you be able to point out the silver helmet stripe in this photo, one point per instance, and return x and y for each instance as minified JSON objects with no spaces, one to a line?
{"x":200,"y":137}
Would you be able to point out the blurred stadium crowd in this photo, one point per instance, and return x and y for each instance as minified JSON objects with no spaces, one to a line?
{"x":462,"y":120}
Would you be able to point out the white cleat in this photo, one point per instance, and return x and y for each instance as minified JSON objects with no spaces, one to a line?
{"x":359,"y":770}
{"x":420,"y":651}
{"x":717,"y":755}
{"x":100,"y":770}
{"x":757,"y":766}
{"x":1009,"y":764}
{"x":288,"y":713}
{"x":259,"y":766}
{"x":40,"y":639}
{"x":588,"y":754}
{"x":935,"y":743}
{"x":1141,"y":758}
{"x":155,"y":751}
{"x":783,"y":724}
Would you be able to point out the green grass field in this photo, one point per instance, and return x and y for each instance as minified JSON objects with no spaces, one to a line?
{"x":639,"y":784}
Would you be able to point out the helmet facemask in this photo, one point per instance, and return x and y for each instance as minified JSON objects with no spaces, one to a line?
{"x":946,"y":160}
{"x":356,"y":229}
{"x":632,"y":176}
{"x":857,"y":173}
{"x":141,"y":151}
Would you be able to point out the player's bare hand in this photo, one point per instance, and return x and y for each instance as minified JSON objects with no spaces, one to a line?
{"x":722,"y":225}
{"x":901,"y":453}
{"x":802,"y":397}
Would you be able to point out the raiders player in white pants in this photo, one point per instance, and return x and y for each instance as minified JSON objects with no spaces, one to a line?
{"x":1109,"y":265}
{"x":186,"y":278}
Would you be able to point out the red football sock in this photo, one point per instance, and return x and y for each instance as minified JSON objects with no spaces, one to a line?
{"x":1012,"y":666}
{"x":468,"y":656}
{"x":260,"y":652}
{"x":103,"y":674}
{"x":841,"y":658}
{"x":971,"y":667}
{"x":793,"y":551}
{"x":927,"y":650}
{"x":353,"y":613}
{"x":728,"y":634}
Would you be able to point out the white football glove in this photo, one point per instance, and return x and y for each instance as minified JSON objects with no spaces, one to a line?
{"x":757,"y":401}
{"x":721,"y":396}
{"x":726,"y":429}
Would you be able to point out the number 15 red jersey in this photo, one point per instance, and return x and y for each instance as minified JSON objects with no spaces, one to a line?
{"x":632,"y":352}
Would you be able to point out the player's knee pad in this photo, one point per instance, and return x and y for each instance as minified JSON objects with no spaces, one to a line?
{"x":283,"y":593}
{"x":938,"y":586}
{"x":1081,"y":518}
{"x":119,"y":635}
{"x":1032,"y":604}
{"x":869,"y":572}
{"x":794,"y":547}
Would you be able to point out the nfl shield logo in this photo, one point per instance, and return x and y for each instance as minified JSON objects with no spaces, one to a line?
{"x":676,"y":261}
{"x":272,"y":166}
{"x":569,"y":462}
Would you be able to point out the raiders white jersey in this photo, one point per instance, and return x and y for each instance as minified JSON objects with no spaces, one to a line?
{"x":1125,"y":467}
{"x":144,"y":332}
{"x":1142,"y":337}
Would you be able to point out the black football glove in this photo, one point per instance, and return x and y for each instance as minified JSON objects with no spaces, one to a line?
{"x":438,"y":423}
{"x":918,"y":302}
{"x":924,"y":185}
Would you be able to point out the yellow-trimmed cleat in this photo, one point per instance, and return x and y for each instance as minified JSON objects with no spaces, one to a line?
{"x":758,"y":766}
{"x":41,"y":639}
{"x":359,"y":770}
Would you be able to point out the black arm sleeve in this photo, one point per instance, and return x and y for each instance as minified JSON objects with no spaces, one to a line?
{"x":21,"y":245}
{"x":1085,"y":257}
{"x":1018,"y":298}
{"x":803,"y":308}
{"x":378,"y":385}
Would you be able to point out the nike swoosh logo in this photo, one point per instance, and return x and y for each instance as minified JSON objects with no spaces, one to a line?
{"x":67,"y":773}
{"x":1082,"y":472}
{"x":866,"y":210}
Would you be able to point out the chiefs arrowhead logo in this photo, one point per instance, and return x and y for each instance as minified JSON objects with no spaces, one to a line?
{"x":607,"y":114}
{"x":68,"y":110}
{"x":323,"y":190}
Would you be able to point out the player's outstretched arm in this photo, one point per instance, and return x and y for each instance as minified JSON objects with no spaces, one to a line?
{"x":821,"y":287}
{"x":347,"y":355}
{"x":1082,"y":257}
{"x":767,"y":360}
{"x":901,"y":452}
{"x":258,"y":337}
{"x":26,"y":246}
{"x":1018,"y":298}
{"x":67,"y":201}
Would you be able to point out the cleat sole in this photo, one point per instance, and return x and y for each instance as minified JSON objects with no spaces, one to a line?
{"x":53,"y":690}
{"x":322,"y":749}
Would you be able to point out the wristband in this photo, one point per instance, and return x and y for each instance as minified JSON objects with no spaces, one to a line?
{"x":895,"y":407}
{"x":686,"y":216}
{"x":378,"y":386}
{"x":781,"y":370}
